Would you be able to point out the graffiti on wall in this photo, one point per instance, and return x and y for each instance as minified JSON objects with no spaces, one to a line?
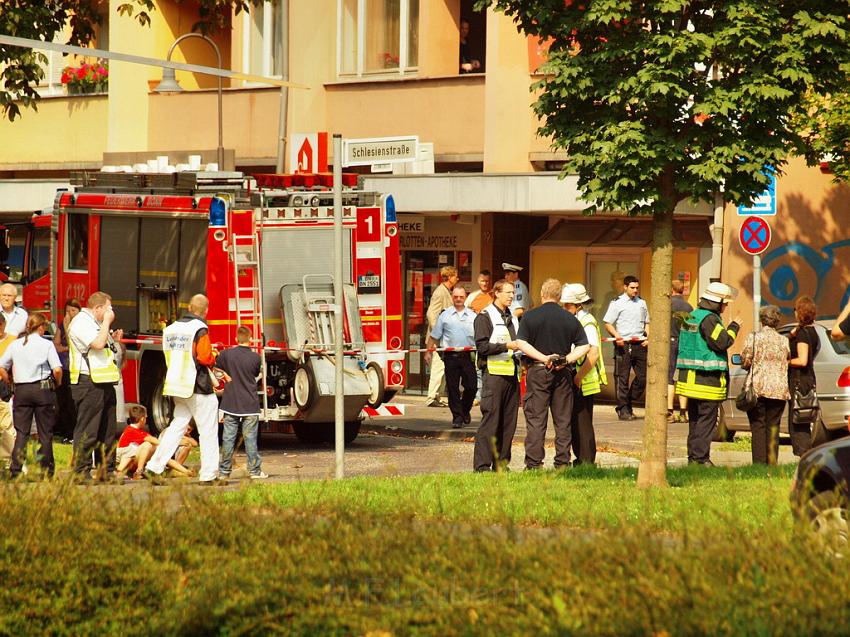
{"x":796,"y":268}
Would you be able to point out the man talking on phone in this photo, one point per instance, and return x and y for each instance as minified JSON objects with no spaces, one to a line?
{"x":93,"y":375}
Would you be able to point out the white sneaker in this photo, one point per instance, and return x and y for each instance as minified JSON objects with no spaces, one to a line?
{"x":259,"y":476}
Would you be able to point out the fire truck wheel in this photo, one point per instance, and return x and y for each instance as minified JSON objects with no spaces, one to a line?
{"x":160,"y":408}
{"x":305,"y":387}
{"x":375,"y":378}
{"x":310,"y":434}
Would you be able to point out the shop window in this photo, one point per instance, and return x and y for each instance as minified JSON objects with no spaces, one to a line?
{"x":378,"y":36}
{"x":262,"y":37}
{"x":77,"y":244}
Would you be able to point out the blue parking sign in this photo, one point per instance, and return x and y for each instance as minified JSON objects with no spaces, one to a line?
{"x":765,"y":204}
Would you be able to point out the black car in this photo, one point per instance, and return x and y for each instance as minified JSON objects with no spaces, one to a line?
{"x":820,"y":493}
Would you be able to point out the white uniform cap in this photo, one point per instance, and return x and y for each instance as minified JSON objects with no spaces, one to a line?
{"x":719,"y":292}
{"x":574,"y":293}
{"x":510,"y":267}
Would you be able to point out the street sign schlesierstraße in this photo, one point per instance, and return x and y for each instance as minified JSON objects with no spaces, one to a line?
{"x":379,"y":150}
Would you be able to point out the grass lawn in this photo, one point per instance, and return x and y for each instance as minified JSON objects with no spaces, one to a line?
{"x":746,"y":497}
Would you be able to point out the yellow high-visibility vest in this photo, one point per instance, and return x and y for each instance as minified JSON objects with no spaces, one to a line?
{"x":177,"y":341}
{"x":101,"y":362}
{"x":501,"y":364}
{"x":594,"y":379}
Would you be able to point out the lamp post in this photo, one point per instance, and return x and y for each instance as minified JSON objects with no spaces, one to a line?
{"x":169,"y":84}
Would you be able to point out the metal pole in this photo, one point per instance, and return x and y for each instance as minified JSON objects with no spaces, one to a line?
{"x":339,"y":301}
{"x":756,"y":291}
{"x":284,"y":91}
{"x":220,"y":149}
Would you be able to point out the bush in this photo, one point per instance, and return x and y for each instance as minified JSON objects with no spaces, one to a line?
{"x":79,"y":561}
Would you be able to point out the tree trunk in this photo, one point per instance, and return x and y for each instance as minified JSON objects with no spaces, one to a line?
{"x":652,"y":471}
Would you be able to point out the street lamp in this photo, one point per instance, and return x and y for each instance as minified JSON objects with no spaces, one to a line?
{"x":169,"y":84}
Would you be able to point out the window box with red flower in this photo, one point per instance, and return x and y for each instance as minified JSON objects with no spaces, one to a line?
{"x":86,"y":78}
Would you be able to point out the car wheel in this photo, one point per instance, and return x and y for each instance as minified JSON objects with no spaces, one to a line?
{"x":828,"y":518}
{"x":310,"y":434}
{"x":822,"y":435}
{"x":161,"y":407}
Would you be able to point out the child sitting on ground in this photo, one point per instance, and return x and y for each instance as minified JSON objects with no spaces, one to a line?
{"x":136,"y":446}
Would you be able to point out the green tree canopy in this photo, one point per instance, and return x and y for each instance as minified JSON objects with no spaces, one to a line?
{"x":659,"y":101}
{"x":21,"y":69}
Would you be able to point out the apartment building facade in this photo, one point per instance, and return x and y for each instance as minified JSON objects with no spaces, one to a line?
{"x":489,"y":191}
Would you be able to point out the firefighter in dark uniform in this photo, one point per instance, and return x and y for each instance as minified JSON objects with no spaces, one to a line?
{"x":703,"y":366}
{"x":498,"y":350}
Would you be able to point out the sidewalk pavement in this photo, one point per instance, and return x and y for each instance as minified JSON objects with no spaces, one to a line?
{"x":618,"y":442}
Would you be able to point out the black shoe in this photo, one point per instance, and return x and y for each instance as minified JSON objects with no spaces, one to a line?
{"x":457,"y":425}
{"x":467,"y":419}
{"x":626,"y":415}
{"x":436,"y":403}
{"x":704,"y":463}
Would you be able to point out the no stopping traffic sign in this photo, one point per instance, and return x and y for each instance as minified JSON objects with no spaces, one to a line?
{"x":754,"y":235}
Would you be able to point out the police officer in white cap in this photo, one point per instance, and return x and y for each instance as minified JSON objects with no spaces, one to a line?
{"x":702,"y":366}
{"x":521,"y":301}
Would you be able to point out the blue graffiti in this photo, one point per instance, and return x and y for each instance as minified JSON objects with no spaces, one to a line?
{"x":783,"y":283}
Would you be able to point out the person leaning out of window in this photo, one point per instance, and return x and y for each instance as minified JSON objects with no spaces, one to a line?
{"x":766,"y":355}
{"x":36,"y":364}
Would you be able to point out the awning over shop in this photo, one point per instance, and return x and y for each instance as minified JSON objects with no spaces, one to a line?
{"x":540,"y":193}
{"x":633,"y":232}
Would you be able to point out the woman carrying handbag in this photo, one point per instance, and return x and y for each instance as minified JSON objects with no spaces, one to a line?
{"x":766,"y":356}
{"x":802,"y":384}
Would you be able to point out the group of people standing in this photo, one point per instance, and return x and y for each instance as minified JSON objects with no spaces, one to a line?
{"x":487,"y":338}
{"x":32,"y":366}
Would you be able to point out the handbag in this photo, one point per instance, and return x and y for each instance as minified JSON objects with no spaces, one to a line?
{"x":747,"y":399}
{"x":805,"y":408}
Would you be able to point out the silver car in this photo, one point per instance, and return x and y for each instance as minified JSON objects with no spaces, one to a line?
{"x":832,"y":364}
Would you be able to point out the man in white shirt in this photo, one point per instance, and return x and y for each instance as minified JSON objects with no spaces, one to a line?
{"x":16,"y":317}
{"x":93,"y":377}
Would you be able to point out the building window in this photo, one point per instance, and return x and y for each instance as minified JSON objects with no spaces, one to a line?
{"x":262,"y":37}
{"x":377,"y":36}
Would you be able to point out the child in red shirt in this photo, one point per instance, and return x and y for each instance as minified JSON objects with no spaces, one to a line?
{"x":136,"y":445}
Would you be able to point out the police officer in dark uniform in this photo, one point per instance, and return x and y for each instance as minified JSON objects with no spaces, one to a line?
{"x":554,"y":332}
{"x":495,"y":339}
{"x":36,"y":366}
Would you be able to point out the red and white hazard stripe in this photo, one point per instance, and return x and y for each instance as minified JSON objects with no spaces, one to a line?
{"x":384,"y":410}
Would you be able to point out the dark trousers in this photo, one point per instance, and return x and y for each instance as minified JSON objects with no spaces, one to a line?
{"x":764,"y":423}
{"x":631,"y":356}
{"x":547,"y":389}
{"x":584,"y":437}
{"x":460,"y":372}
{"x":66,"y":416}
{"x":702,"y":419}
{"x":801,"y":434}
{"x":31,"y":399}
{"x":96,"y":427}
{"x":499,"y":408}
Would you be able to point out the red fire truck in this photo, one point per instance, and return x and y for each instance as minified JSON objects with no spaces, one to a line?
{"x":261,"y":249}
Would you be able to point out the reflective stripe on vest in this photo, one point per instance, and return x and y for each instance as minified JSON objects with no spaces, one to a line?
{"x":101,"y":362}
{"x":692,"y":389}
{"x":501,"y":364}
{"x":694,"y":352}
{"x":177,"y":340}
{"x":596,"y":377}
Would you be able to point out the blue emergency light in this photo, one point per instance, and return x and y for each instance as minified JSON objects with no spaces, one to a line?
{"x":391,"y":218}
{"x":218,"y":212}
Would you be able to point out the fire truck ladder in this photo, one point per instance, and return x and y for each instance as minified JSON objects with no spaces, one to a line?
{"x":245,"y":250}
